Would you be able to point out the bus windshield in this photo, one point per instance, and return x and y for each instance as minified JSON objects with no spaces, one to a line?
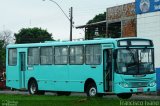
{"x":135,"y":61}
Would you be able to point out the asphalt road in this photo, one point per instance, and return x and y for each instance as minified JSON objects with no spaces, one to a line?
{"x":134,"y":97}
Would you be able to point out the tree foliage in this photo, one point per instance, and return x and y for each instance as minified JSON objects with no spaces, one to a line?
{"x":90,"y":33}
{"x":32,"y":35}
{"x":2,"y":55}
{"x":6,"y":37}
{"x":97,"y":18}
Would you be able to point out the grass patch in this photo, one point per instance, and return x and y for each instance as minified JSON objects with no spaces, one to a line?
{"x":49,"y":100}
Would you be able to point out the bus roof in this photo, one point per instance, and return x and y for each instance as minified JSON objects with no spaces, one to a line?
{"x":63,"y":43}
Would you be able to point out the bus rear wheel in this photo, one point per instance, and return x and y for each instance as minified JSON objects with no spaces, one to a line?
{"x":33,"y":87}
{"x":124,"y":95}
{"x":91,"y":90}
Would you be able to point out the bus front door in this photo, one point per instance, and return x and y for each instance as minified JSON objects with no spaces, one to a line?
{"x":107,"y":67}
{"x":22,"y":69}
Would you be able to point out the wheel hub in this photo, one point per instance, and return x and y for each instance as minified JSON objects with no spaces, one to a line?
{"x":92,"y":91}
{"x":33,"y":88}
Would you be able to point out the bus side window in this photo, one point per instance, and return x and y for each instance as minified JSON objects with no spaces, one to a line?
{"x":46,"y":55}
{"x":93,"y":54}
{"x":33,"y":56}
{"x":61,"y":55}
{"x":12,"y":57}
{"x":76,"y":55}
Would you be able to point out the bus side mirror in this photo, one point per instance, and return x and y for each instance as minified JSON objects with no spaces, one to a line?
{"x":115,"y":54}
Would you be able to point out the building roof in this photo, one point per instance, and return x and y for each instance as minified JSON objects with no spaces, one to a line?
{"x":92,"y":24}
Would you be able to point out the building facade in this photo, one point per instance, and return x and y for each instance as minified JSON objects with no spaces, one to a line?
{"x":148,"y":25}
{"x":121,"y":21}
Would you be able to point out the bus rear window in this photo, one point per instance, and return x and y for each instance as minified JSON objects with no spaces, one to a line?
{"x":12,"y":57}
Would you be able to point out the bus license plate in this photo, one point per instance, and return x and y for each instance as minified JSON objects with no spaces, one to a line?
{"x":139,"y":89}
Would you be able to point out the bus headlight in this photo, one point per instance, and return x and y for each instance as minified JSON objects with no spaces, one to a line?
{"x":153,"y":83}
{"x":124,"y":84}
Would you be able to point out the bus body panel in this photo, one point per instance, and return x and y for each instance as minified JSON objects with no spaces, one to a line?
{"x":16,"y":77}
{"x":65,"y":77}
{"x":94,"y":72}
{"x":13,"y":79}
{"x":55,"y":77}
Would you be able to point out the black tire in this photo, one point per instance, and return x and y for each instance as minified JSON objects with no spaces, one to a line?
{"x":91,"y":90}
{"x":33,"y":87}
{"x":124,"y":95}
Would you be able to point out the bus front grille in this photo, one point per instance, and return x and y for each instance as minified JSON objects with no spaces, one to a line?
{"x":138,"y":84}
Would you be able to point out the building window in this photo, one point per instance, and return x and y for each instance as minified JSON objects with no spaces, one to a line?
{"x":12,"y":57}
{"x":46,"y":55}
{"x":33,"y":56}
{"x":76,"y":55}
{"x":61,"y":55}
{"x":93,"y":54}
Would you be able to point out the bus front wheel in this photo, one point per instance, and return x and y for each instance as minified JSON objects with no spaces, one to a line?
{"x":33,"y":87}
{"x":91,"y":90}
{"x":124,"y":95}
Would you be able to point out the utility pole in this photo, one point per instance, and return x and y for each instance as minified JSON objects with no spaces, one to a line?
{"x":71,"y":22}
{"x":69,"y":18}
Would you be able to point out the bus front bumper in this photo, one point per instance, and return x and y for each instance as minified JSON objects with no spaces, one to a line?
{"x":120,"y":89}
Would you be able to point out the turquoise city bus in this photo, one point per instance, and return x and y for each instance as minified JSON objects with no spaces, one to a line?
{"x":121,"y":66}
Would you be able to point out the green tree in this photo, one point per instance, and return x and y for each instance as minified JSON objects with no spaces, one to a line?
{"x":6,"y":37}
{"x":91,"y":29}
{"x":97,"y":18}
{"x":2,"y":55}
{"x":32,"y":35}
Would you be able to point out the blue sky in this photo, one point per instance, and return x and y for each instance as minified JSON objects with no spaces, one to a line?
{"x":17,"y":14}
